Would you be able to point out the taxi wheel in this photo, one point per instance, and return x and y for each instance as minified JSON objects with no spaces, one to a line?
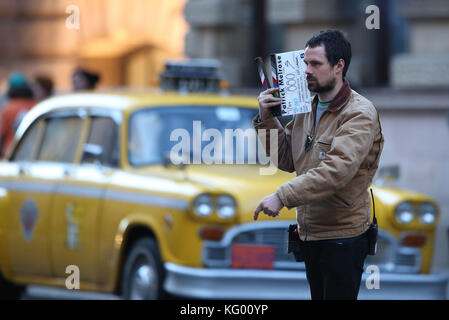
{"x":143,"y":272}
{"x":9,"y":290}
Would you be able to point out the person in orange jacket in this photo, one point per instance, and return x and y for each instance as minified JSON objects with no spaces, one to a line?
{"x":20,"y":101}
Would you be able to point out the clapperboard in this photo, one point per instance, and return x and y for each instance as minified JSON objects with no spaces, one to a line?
{"x":288,"y":72}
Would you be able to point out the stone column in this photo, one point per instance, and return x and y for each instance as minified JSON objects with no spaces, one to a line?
{"x":221,"y":29}
{"x":426,"y":64}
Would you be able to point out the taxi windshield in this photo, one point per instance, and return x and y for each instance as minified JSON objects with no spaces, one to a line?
{"x":198,"y":134}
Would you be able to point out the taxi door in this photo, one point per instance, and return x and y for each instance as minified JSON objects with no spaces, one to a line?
{"x":38,"y":166}
{"x":76,"y":211}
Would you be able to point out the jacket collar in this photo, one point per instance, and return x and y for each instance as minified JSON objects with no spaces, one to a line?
{"x":340,"y":99}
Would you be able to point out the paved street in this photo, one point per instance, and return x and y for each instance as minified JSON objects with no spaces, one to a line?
{"x":46,"y":293}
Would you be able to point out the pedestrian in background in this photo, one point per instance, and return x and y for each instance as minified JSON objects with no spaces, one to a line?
{"x":20,"y":101}
{"x":42,"y":88}
{"x":84,"y":80}
{"x":335,"y":151}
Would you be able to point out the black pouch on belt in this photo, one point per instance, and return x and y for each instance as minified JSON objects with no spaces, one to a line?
{"x":294,"y":244}
{"x":372,"y":232}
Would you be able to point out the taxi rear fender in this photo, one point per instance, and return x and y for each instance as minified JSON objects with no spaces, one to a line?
{"x":5,"y":207}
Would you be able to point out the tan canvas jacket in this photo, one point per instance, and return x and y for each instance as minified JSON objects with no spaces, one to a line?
{"x":330,"y":191}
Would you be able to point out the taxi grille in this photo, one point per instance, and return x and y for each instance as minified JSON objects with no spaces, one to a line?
{"x":273,"y":234}
{"x":276,"y":237}
{"x":217,"y":254}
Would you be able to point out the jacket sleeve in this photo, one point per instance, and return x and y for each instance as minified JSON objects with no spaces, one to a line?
{"x":283,"y":160}
{"x":350,"y":146}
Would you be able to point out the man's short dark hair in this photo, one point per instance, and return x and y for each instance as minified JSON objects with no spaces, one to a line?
{"x":336,"y":46}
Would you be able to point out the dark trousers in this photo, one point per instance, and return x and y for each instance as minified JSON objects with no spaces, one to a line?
{"x":334,"y":270}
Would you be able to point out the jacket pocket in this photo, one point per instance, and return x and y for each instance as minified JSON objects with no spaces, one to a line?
{"x":320,"y":149}
{"x":324,"y":142}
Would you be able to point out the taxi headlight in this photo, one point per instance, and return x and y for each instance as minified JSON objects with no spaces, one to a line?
{"x":226,"y":207}
{"x":404,"y":212}
{"x":427,"y":213}
{"x":202,"y":205}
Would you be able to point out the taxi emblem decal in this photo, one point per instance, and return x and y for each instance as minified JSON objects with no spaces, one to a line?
{"x":322,"y":155}
{"x":74,"y":214}
{"x":29,"y":215}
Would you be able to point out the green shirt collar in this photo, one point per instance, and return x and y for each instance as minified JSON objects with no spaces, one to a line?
{"x":323,"y":104}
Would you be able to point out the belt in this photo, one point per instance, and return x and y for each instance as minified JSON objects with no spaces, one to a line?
{"x":339,"y":240}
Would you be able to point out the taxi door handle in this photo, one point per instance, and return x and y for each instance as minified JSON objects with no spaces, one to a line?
{"x":22,"y":170}
{"x":66,"y":172}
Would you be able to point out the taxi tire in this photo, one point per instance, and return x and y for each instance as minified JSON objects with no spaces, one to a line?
{"x":9,"y":290}
{"x":143,"y":249}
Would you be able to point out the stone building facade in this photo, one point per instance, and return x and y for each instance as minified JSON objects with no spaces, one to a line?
{"x":409,"y":50}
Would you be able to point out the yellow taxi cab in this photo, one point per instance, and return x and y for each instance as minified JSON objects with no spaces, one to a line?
{"x":99,"y":181}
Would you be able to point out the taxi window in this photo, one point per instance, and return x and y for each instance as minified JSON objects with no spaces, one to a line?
{"x":102,"y":142}
{"x":27,"y":145}
{"x":60,"y":139}
{"x":150,"y":129}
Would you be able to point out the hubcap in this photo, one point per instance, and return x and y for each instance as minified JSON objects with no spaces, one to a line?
{"x":144,"y":280}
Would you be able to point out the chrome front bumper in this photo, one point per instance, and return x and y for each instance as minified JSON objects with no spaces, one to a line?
{"x":210,"y":283}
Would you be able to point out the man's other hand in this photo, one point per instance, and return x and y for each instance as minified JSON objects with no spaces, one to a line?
{"x":266,"y":101}
{"x":270,"y":205}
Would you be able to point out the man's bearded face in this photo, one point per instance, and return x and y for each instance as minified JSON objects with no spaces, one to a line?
{"x":321,"y":76}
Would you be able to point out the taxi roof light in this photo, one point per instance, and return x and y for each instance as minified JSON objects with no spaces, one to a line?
{"x":193,"y":75}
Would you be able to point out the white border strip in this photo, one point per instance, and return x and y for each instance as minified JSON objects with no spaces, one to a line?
{"x":97,"y":193}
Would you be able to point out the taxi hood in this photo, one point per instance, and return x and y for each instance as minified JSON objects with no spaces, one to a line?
{"x":248,"y":184}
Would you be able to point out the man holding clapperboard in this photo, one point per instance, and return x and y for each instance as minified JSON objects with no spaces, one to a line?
{"x":333,"y":143}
